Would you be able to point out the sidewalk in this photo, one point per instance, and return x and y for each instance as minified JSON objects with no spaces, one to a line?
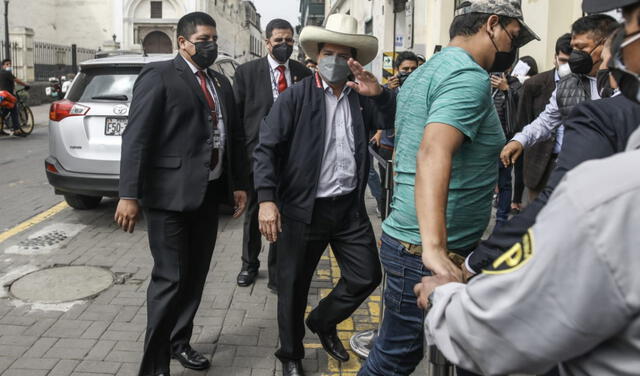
{"x":235,"y":327}
{"x":41,"y":114}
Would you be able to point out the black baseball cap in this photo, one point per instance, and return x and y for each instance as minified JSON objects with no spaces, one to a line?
{"x":595,"y":6}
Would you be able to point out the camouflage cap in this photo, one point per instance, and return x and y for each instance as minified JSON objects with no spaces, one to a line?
{"x":507,"y":8}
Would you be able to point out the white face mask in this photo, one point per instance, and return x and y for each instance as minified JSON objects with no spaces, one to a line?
{"x":8,"y":69}
{"x":563,"y":70}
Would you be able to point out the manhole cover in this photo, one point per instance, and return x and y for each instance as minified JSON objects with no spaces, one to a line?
{"x":62,"y":284}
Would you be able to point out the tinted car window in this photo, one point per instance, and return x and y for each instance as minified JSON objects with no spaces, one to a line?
{"x":93,"y":83}
{"x":225,"y":67}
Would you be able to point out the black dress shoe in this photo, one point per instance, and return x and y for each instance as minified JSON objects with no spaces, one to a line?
{"x":331,"y":343}
{"x":273,"y":288}
{"x":247,"y":277}
{"x":292,"y":368}
{"x":190,"y":358}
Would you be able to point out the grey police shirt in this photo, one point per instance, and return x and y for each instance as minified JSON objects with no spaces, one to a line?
{"x":568,"y":293}
{"x":634,"y":140}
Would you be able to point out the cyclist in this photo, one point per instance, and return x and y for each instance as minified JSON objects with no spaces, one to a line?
{"x":8,"y":82}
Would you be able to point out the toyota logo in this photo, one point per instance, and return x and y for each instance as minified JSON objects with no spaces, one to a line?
{"x":120,"y":109}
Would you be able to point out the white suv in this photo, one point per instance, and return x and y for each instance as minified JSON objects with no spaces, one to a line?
{"x":85,"y":127}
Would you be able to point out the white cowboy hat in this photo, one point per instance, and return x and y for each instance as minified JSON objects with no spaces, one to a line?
{"x":341,"y":29}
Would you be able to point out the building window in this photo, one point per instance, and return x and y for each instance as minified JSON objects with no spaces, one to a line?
{"x":156,"y":9}
{"x":368,"y":27}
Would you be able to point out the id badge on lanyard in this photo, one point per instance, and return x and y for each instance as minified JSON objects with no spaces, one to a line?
{"x":217,"y":138}
{"x":216,"y":134}
{"x":274,"y":84}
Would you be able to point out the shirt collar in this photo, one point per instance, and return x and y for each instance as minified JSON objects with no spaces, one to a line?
{"x":274,"y":64}
{"x":194,"y":69}
{"x":328,"y":88}
{"x":556,"y":76}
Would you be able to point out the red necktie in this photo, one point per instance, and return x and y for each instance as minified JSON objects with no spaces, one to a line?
{"x":282,"y":81}
{"x":214,"y":115}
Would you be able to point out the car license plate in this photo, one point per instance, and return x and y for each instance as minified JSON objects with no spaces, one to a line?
{"x":115,"y":126}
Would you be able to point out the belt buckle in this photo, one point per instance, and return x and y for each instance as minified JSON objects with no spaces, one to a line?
{"x":412,"y":249}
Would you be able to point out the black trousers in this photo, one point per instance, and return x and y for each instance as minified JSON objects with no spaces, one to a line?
{"x":181,"y":245}
{"x":518,"y":181}
{"x":335,"y":222}
{"x":252,"y":239}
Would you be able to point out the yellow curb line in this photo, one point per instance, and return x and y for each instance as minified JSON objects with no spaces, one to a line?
{"x":33,"y":221}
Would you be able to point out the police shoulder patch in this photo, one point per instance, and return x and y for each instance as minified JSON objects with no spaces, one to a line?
{"x":514,"y":258}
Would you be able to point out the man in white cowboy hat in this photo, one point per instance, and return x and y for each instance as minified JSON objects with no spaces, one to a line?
{"x":313,"y":152}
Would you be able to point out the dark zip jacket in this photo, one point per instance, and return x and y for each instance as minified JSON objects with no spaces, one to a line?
{"x":288,"y":158}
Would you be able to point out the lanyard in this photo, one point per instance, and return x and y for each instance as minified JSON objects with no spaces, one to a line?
{"x":274,"y":82}
{"x":215,"y":95}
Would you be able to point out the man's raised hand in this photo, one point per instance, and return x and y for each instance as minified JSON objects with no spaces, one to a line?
{"x":366,"y":83}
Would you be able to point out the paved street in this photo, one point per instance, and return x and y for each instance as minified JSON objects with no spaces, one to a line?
{"x":235,"y":327}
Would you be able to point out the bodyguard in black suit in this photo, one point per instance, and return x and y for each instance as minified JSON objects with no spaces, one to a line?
{"x":258,"y":84}
{"x":182,"y":154}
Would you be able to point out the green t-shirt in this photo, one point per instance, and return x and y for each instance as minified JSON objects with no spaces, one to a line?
{"x":451,"y":88}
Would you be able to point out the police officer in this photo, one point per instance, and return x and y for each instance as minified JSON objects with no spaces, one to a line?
{"x":569,"y":292}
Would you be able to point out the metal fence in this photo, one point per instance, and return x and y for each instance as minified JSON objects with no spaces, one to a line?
{"x":52,"y":60}
{"x":15,"y":56}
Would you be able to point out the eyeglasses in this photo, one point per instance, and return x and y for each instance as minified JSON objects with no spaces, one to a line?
{"x":514,"y":40}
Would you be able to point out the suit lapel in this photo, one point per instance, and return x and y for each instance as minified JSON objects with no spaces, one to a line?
{"x":264,"y":79}
{"x":190,"y":79}
{"x":295,"y":74}
{"x":220,"y":94}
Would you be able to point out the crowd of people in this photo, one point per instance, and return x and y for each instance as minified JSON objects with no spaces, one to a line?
{"x":553,"y":289}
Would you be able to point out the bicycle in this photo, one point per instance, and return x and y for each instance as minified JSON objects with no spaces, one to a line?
{"x":27,"y":122}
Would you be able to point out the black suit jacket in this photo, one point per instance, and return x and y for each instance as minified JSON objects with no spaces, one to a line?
{"x":536,"y":93}
{"x":288,"y":158}
{"x":594,"y":130}
{"x":254,"y":94}
{"x":167,"y":145}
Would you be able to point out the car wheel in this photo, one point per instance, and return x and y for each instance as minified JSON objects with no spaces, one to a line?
{"x":82,"y":202}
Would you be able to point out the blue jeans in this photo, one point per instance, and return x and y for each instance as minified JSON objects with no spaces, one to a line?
{"x":504,"y":194}
{"x":399,"y":347}
{"x":374,"y":183}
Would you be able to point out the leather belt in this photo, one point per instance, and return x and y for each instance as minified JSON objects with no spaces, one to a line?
{"x":413,"y":249}
{"x":386,"y":147}
{"x":416,"y":250}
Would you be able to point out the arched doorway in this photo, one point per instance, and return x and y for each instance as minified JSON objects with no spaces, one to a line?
{"x":157,"y":42}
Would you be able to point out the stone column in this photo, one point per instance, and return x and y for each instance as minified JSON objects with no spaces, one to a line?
{"x":22,"y":57}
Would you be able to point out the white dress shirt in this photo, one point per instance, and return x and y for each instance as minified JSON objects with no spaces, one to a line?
{"x":275,"y":75}
{"x":338,"y":174}
{"x":550,"y":119}
{"x":217,"y":171}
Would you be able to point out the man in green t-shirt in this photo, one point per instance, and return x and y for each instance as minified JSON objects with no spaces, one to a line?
{"x":448,"y":137}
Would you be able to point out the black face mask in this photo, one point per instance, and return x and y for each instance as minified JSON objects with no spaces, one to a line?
{"x":282,"y":52}
{"x":603,"y":84}
{"x":628,"y":81}
{"x":503,"y":60}
{"x":581,"y":62}
{"x":402,"y":76}
{"x":206,"y":53}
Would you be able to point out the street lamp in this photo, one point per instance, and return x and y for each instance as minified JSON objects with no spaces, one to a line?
{"x":7,"y":49}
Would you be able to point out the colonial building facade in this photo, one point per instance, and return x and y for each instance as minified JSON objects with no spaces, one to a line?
{"x":138,"y":25}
